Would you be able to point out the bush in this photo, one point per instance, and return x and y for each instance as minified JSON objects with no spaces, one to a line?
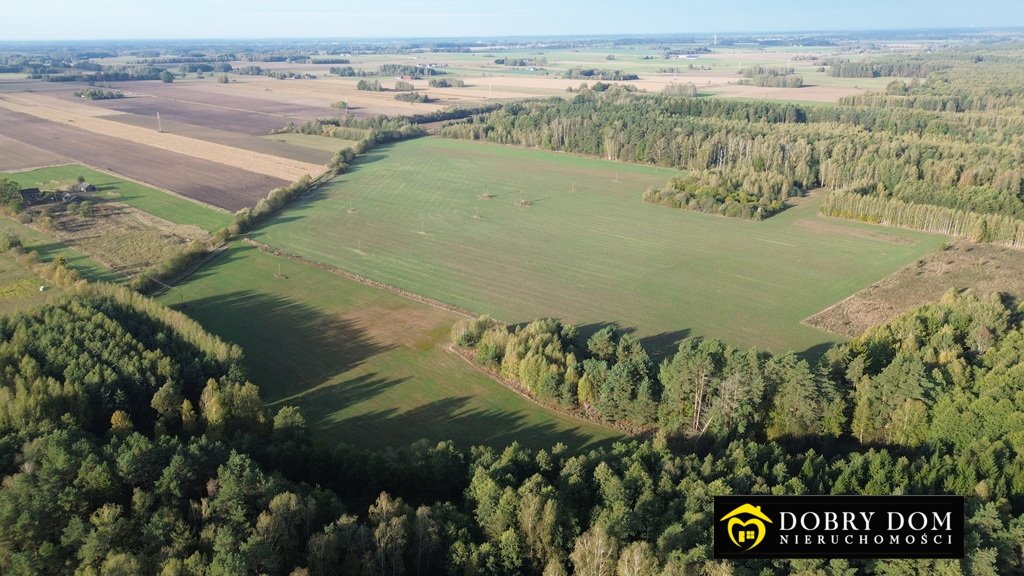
{"x":412,"y":97}
{"x":9,"y":242}
{"x":369,"y":85}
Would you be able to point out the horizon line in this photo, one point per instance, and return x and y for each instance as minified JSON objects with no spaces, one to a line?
{"x":595,"y":35}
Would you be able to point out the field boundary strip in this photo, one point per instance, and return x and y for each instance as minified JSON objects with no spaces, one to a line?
{"x":257,"y":162}
{"x":360,"y":279}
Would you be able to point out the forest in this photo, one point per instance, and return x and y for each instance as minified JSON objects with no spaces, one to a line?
{"x":890,"y":146}
{"x":156,"y":455}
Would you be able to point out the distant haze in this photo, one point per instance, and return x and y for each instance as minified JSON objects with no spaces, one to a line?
{"x":159,"y":19}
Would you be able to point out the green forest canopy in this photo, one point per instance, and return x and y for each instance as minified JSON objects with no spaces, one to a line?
{"x":157,"y":456}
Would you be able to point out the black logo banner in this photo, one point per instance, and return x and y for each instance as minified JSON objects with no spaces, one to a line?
{"x":839,"y":527}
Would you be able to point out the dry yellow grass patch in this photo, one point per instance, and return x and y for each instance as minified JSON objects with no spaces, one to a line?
{"x":61,"y":112}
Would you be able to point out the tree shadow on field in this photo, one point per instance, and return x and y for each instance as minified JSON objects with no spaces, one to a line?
{"x":375,"y":155}
{"x":658,"y":346}
{"x":290,"y":347}
{"x":210,"y":267}
{"x":664,"y":345}
{"x":452,"y":419}
{"x":815,"y":353}
{"x":263,"y":233}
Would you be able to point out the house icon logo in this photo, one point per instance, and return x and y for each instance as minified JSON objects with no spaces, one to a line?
{"x":746,"y":526}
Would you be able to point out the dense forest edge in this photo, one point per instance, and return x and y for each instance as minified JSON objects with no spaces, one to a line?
{"x":155,"y":454}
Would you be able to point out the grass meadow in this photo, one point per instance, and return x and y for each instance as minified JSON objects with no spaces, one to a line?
{"x":443,"y":218}
{"x":365,"y":366}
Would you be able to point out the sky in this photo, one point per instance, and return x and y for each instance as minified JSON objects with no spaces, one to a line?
{"x":162,"y":19}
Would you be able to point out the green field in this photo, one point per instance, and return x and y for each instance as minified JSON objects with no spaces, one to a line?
{"x":323,"y":143}
{"x":366,"y":367}
{"x":158,"y":203}
{"x":412,"y":215}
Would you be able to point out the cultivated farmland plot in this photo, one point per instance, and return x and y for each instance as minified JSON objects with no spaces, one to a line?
{"x":206,"y":181}
{"x":521,"y":234}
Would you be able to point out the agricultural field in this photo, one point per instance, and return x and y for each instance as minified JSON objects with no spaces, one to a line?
{"x":366,"y":367}
{"x":207,"y":146}
{"x":19,"y":156}
{"x":716,"y":73}
{"x":521,"y":234}
{"x":90,"y":119}
{"x":110,"y":187}
{"x":203,"y":180}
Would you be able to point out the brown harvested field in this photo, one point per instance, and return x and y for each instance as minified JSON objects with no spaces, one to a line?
{"x":981,"y":267}
{"x":22,"y":85}
{"x":214,"y":94}
{"x":324,"y":92}
{"x":16,"y":155}
{"x":234,"y":139}
{"x":221,"y":117}
{"x":203,"y":180}
{"x":51,"y":109}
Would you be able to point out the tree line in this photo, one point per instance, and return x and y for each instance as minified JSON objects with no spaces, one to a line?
{"x":598,"y":74}
{"x":995,"y":228}
{"x":772,"y":77}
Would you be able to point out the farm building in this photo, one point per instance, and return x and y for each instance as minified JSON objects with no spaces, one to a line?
{"x":86,"y":187}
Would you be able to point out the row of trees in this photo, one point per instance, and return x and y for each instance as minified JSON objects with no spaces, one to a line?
{"x":598,"y":74}
{"x":413,"y":97}
{"x":774,"y":81}
{"x":995,"y":228}
{"x":408,"y":70}
{"x":538,"y":61}
{"x":706,"y":387}
{"x":905,"y":67}
{"x":99,"y":94}
{"x":447,"y":83}
{"x":155,"y":455}
{"x":905,"y":383}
